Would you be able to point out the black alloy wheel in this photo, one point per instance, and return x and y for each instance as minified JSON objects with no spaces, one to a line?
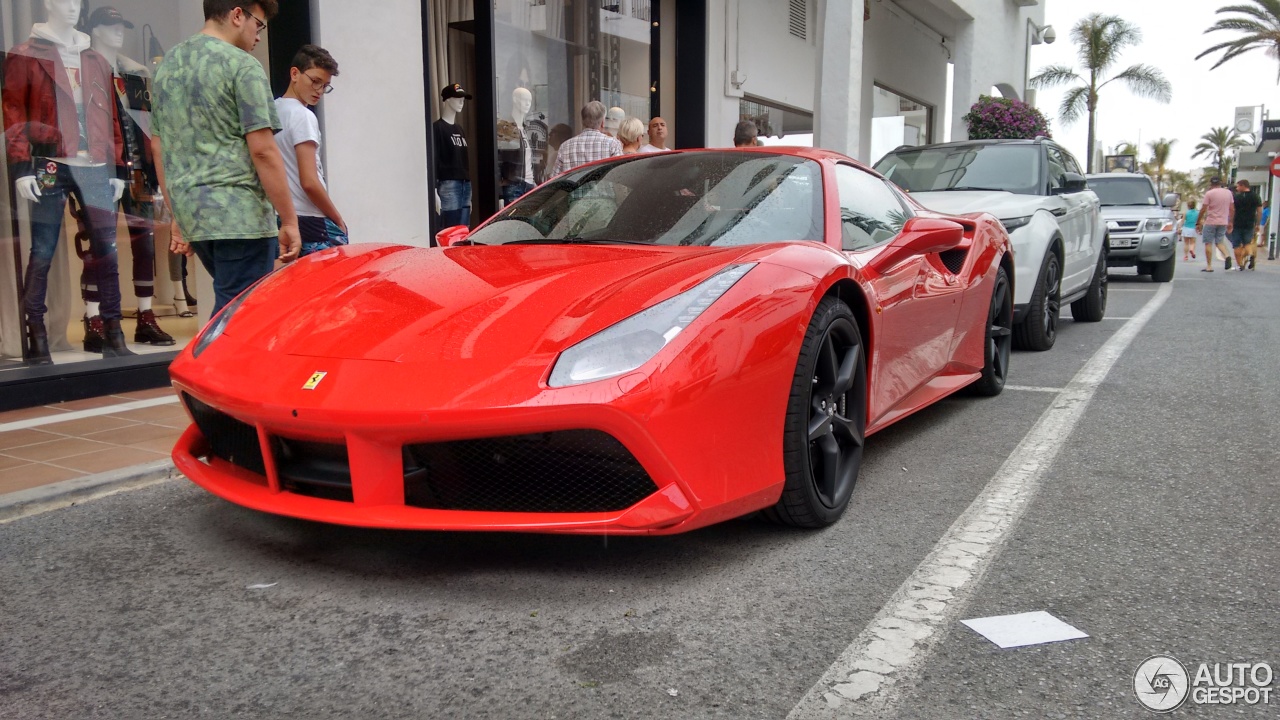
{"x":826,"y":421}
{"x":999,"y":339}
{"x":1039,"y":329}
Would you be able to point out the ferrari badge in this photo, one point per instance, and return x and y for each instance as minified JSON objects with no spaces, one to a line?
{"x":314,"y":380}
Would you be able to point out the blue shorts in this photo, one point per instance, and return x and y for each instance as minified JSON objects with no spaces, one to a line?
{"x":1214,"y":234}
{"x":319,"y":233}
{"x":1241,"y":236}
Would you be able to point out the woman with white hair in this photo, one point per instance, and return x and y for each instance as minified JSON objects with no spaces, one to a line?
{"x":629,"y":134}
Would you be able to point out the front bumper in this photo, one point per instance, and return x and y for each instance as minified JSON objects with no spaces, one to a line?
{"x":1131,"y":249}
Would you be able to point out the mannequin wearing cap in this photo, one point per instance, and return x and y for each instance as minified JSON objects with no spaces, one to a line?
{"x":63,"y":138}
{"x":518,"y":140}
{"x":106,"y":28}
{"x":452,"y":170}
{"x":613,"y":120}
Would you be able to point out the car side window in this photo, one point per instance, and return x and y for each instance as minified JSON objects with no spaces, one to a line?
{"x":870,"y":212}
{"x":1057,"y":168}
{"x":1072,"y":165}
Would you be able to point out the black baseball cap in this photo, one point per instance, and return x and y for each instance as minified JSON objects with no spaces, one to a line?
{"x":107,"y":15}
{"x":453,"y":91}
{"x":1215,"y":180}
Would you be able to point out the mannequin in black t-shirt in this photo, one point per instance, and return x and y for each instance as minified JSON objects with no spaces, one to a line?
{"x":453,"y":174}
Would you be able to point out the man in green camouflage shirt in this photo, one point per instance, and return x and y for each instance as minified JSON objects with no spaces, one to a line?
{"x":214,"y":124}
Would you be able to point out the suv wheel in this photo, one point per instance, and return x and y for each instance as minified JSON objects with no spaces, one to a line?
{"x":1163,"y":271}
{"x":1093,"y":305}
{"x":1039,"y":329}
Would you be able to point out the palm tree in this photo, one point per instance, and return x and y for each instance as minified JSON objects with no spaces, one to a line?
{"x":1099,"y":41}
{"x":1181,"y":183}
{"x":1259,"y":28}
{"x":1217,"y":145}
{"x":1160,"y":150}
{"x":1127,"y":148}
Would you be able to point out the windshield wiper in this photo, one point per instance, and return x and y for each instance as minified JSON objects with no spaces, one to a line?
{"x":577,"y":241}
{"x":968,"y":187}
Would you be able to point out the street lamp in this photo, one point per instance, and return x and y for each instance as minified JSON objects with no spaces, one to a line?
{"x":1036,"y":35}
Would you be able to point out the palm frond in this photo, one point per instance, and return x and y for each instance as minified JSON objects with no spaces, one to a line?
{"x":1055,"y":75}
{"x":1074,"y":104}
{"x":1145,"y":81}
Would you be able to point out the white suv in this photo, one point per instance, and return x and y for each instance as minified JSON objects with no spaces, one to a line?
{"x":1054,"y":220}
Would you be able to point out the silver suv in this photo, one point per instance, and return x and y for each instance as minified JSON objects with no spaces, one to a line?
{"x":1140,"y":229}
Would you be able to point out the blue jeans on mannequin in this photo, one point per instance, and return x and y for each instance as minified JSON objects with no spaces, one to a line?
{"x":455,"y":202}
{"x":93,"y":192}
{"x":514,"y":189}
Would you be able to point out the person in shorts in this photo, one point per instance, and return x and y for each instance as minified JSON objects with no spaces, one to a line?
{"x":319,"y":222}
{"x":1245,"y":223}
{"x":1217,"y":211}
{"x":1189,"y":230}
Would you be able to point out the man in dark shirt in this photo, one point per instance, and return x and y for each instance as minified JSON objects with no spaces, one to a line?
{"x":1245,"y":224}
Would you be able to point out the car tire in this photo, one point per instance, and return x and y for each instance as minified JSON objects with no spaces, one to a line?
{"x":999,"y":339}
{"x":1039,"y":329}
{"x":1162,"y":272}
{"x":1143,"y":268}
{"x":1093,"y":305}
{"x":826,"y":423}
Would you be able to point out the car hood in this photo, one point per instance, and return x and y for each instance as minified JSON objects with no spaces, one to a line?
{"x":1134,"y":212}
{"x":1003,"y":205}
{"x":506,"y":303}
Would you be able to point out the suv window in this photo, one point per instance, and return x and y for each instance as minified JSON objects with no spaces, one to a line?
{"x":1135,"y":190}
{"x":1057,"y":168}
{"x":870,"y":212}
{"x":1013,"y":167}
{"x":1072,"y":165}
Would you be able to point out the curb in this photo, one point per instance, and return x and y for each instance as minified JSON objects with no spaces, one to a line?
{"x":35,"y":501}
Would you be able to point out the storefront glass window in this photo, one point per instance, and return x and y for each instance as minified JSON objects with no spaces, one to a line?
{"x":554,"y":56}
{"x":76,"y":83}
{"x":777,"y":125}
{"x":897,"y":120}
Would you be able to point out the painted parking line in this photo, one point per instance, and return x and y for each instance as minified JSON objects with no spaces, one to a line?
{"x":81,"y":414}
{"x":889,"y":653}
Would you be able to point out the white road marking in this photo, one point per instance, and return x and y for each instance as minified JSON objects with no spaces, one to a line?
{"x":1032,"y":388}
{"x":889,"y":652}
{"x":81,"y":414}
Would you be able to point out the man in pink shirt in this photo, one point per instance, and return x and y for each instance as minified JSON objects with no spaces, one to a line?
{"x":1217,"y":213}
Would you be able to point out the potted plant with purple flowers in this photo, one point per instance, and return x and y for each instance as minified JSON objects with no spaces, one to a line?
{"x":993,"y":118}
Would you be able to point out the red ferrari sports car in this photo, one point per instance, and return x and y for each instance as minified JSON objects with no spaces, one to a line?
{"x":647,"y":344}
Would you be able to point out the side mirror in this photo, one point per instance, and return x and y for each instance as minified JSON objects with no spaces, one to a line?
{"x":1171,"y":200}
{"x":920,"y":236}
{"x":1072,"y":183}
{"x":451,"y":236}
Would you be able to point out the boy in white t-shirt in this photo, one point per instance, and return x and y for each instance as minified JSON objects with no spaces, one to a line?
{"x":319,"y":222}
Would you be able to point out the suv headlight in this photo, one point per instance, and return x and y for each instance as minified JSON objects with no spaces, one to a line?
{"x":630,"y":343}
{"x":1011,"y":224}
{"x":1158,"y":225}
{"x":215,"y":328}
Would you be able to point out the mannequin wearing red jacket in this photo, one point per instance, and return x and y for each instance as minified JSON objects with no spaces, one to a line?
{"x":54,"y":153}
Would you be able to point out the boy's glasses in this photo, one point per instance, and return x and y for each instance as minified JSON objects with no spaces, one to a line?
{"x":262,"y":24}
{"x":319,"y":84}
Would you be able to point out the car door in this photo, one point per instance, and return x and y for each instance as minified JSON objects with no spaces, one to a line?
{"x":918,"y":298}
{"x":1076,"y":222}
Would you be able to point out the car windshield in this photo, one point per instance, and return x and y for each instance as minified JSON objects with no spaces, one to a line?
{"x":1013,"y":168}
{"x":690,"y":198}
{"x":1123,"y":191}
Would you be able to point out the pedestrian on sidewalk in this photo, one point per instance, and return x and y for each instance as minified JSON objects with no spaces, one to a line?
{"x":214,"y":123}
{"x":589,"y":145}
{"x":744,"y":134}
{"x":1189,"y":230}
{"x":1245,"y":225}
{"x":1214,"y":221}
{"x":319,"y":222}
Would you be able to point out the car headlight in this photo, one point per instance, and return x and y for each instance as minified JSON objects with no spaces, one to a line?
{"x":630,"y":343}
{"x":1158,"y":225}
{"x":215,"y":328}
{"x":1011,"y":224}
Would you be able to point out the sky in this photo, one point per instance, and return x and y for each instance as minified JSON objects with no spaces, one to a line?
{"x":1172,"y":35}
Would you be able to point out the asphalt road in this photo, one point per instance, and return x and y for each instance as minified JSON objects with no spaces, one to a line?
{"x":1154,"y":531}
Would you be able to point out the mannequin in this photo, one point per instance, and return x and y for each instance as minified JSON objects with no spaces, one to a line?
{"x":55,"y":151}
{"x":516,"y":146}
{"x":453,"y":173}
{"x":106,"y":28}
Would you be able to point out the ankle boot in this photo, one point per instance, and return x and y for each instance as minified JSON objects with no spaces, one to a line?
{"x":149,"y":332}
{"x":37,"y":345}
{"x":94,"y":335}
{"x":115,"y":346}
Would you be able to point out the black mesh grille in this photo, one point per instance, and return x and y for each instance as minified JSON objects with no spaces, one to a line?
{"x":314,"y":469}
{"x":566,"y":471}
{"x":953,"y":260}
{"x":228,"y":438}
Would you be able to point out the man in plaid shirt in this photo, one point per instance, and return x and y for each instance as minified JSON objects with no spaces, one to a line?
{"x":590,"y":144}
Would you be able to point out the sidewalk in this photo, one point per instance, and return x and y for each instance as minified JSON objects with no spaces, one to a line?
{"x":114,"y":436}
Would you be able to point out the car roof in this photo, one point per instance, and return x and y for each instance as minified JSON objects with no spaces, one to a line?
{"x":972,"y":143}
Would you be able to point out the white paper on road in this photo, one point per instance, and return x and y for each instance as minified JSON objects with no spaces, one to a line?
{"x":1033,"y":628}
